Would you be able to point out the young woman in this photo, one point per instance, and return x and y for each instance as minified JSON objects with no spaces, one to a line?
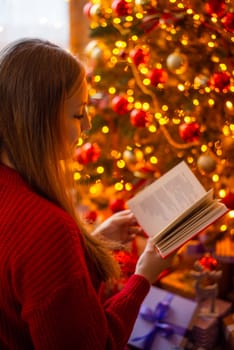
{"x":51,"y":270}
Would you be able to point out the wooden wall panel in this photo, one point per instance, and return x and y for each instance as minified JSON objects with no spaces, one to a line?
{"x":78,"y":27}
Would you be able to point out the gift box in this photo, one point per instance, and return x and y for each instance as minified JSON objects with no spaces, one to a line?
{"x":179,"y":282}
{"x":228,"y":330}
{"x":164,"y":321}
{"x":205,"y":332}
{"x":182,"y":283}
{"x":207,"y":328}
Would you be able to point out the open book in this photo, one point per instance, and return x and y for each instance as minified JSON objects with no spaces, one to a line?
{"x":175,"y":208}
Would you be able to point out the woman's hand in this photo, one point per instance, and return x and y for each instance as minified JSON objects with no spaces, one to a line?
{"x":150,"y":264}
{"x":121,"y":227}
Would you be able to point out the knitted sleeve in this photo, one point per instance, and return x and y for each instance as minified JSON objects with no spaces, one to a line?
{"x":59,"y":303}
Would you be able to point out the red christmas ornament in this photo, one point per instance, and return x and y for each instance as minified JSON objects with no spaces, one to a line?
{"x":87,"y":8}
{"x":149,"y":23}
{"x":87,"y":153}
{"x":167,"y":18}
{"x":138,"y":118}
{"x":145,"y":171}
{"x":215,"y":7}
{"x":208,"y":262}
{"x":117,"y":204}
{"x":120,"y":105}
{"x":189,"y":132}
{"x":158,"y":76}
{"x":121,"y":7}
{"x":228,"y":22}
{"x":138,"y":56}
{"x":220,"y":81}
{"x":90,"y":216}
{"x":228,"y":200}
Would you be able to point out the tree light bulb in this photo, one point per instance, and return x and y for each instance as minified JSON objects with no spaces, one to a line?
{"x":100,"y":170}
{"x":223,"y":228}
{"x":128,"y":186}
{"x":105,"y":129}
{"x":215,"y":178}
{"x":222,"y":193}
{"x":119,"y":186}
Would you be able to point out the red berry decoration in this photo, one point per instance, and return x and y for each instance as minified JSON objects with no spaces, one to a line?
{"x":189,"y":132}
{"x":220,"y":81}
{"x":208,"y":262}
{"x":87,"y":153}
{"x":228,"y":22}
{"x":215,"y":7}
{"x":121,"y":8}
{"x":138,"y":56}
{"x":138,"y":118}
{"x":127,"y":262}
{"x":120,"y":104}
{"x":158,"y":76}
{"x":228,"y":200}
{"x":117,"y":204}
{"x":90,"y":216}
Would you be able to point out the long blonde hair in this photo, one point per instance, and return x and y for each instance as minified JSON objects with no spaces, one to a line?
{"x":35,"y":78}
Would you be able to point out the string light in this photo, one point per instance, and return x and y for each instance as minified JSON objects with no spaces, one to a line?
{"x":195,"y":96}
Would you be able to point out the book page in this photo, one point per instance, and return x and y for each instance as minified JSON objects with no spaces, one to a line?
{"x":191,"y":227}
{"x":204,"y":201}
{"x":167,"y":198}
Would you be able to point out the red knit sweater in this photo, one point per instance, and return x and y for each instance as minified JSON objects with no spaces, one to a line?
{"x":49,"y":291}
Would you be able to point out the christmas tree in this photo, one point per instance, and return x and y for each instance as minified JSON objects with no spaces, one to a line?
{"x":161,"y":84}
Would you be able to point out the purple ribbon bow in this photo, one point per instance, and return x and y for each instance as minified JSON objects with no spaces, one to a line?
{"x":156,"y":316}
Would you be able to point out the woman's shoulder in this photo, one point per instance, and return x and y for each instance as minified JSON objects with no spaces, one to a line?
{"x":26,"y":213}
{"x":41,"y":223}
{"x":31,"y":210}
{"x":16,"y":190}
{"x":48,"y":214}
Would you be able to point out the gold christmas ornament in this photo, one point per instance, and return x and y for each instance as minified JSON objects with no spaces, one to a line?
{"x":200,"y":81}
{"x":129,"y":156}
{"x":177,"y":63}
{"x":95,"y":11}
{"x":146,"y":3}
{"x":206,"y":163}
{"x":97,"y":51}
